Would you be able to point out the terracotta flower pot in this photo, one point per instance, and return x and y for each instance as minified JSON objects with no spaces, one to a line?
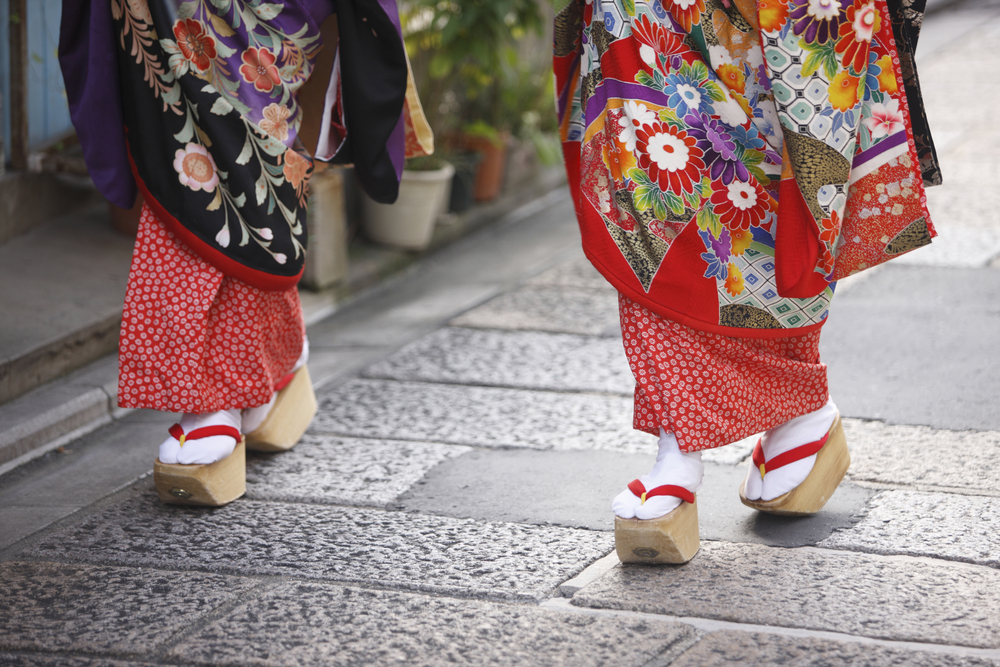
{"x":489,"y":176}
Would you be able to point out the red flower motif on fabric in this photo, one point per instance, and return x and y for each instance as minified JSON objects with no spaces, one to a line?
{"x":740,"y":205}
{"x":195,"y":44}
{"x":856,"y":33}
{"x":259,"y":69}
{"x":829,"y":229}
{"x":685,"y":12}
{"x":670,"y":157}
{"x":657,"y":37}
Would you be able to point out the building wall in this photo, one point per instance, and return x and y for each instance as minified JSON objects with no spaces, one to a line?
{"x":48,"y":113}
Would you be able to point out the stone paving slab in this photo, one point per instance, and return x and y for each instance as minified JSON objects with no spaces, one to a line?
{"x":575,"y":489}
{"x":304,"y":623}
{"x":63,"y":660}
{"x":343,"y":471}
{"x":480,"y":416}
{"x":939,"y":525}
{"x":548,"y":308}
{"x":349,"y":545}
{"x":919,"y":455}
{"x":734,"y":647}
{"x":574,"y":273}
{"x":897,"y":598}
{"x":124,"y":611}
{"x":917,"y":345}
{"x":519,"y":359}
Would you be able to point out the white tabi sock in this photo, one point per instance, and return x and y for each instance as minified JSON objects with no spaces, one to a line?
{"x":254,"y":417}
{"x":203,"y":450}
{"x":780,"y":439}
{"x":672,"y":467}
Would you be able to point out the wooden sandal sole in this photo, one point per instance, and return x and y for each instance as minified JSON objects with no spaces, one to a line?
{"x":211,"y":485}
{"x":809,"y":497}
{"x":671,"y":539}
{"x":293,"y":411}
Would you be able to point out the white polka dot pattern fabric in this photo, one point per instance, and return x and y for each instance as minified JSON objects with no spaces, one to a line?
{"x":194,"y":340}
{"x":710,"y":390}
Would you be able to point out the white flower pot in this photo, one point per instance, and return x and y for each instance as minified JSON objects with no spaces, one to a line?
{"x":409,"y":223}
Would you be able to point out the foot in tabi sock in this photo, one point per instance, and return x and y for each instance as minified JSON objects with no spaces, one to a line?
{"x":779,"y":440}
{"x":203,"y":462}
{"x":672,"y":468}
{"x":254,"y":417}
{"x":278,"y":425}
{"x":797,"y":466}
{"x":202,"y":439}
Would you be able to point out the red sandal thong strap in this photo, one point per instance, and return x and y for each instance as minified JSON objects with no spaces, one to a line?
{"x":283,"y":382}
{"x":791,"y":456}
{"x":204,"y":432}
{"x":636,"y":487}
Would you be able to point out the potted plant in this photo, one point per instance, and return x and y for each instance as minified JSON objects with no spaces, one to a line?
{"x":462,"y":55}
{"x":423,"y":196}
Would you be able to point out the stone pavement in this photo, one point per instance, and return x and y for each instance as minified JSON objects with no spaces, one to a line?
{"x":450,"y":504}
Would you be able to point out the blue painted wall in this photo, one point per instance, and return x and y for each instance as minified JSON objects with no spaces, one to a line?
{"x":48,"y":114}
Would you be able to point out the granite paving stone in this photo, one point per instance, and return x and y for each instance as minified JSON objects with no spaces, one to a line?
{"x":480,"y":416}
{"x":520,"y":359}
{"x":548,"y":308}
{"x":345,"y":471}
{"x":577,"y":272}
{"x":83,"y":608}
{"x":884,"y":597}
{"x":63,"y":660}
{"x":921,"y":455}
{"x":939,"y":525}
{"x":349,"y":545}
{"x":734,"y":647}
{"x":575,"y":489}
{"x":306,"y":623}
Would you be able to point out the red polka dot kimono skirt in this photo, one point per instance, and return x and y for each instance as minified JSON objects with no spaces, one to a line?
{"x":194,"y":340}
{"x":710,"y":390}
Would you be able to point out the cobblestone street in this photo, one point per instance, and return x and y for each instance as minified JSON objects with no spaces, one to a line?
{"x":450,"y":504}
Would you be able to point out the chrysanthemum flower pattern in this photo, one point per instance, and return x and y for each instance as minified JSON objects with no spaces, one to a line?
{"x":741,"y":205}
{"x":816,"y":20}
{"x":670,"y":157}
{"x":856,"y":32}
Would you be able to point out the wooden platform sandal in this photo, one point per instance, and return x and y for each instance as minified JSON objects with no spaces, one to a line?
{"x":672,"y":538}
{"x":290,"y":416}
{"x":212,"y":485}
{"x":832,"y":461}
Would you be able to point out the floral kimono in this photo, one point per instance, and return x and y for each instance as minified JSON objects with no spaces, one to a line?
{"x":193,"y":103}
{"x":731,"y":159}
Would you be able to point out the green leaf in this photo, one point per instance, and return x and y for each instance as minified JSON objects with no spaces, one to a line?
{"x":241,"y":200}
{"x":187,"y":9}
{"x":708,"y":221}
{"x":260,"y":188}
{"x":644,"y":78}
{"x":820,"y":55}
{"x":629,"y":7}
{"x":247,"y":151}
{"x":639,"y":176}
{"x":759,"y":174}
{"x":669,"y":116}
{"x":187,"y":132}
{"x":659,"y":209}
{"x":221,"y":107}
{"x":267,"y":11}
{"x":715,"y":91}
{"x":675,"y":203}
{"x":643,"y":197}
